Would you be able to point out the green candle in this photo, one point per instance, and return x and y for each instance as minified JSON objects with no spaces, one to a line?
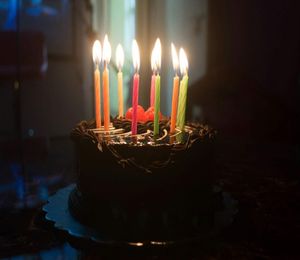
{"x":179,"y":104}
{"x":183,"y":89}
{"x":182,"y":102}
{"x":157,"y":105}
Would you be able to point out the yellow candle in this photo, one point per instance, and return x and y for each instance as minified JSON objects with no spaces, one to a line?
{"x":106,"y":59}
{"x":97,"y":60}
{"x":120,"y":93}
{"x":120,"y":62}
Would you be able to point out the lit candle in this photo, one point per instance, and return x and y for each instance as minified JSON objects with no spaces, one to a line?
{"x":120,"y":62}
{"x":175,"y":89}
{"x":97,"y":60}
{"x":106,"y":60}
{"x":157,"y":59}
{"x":153,"y":67}
{"x":183,"y":89}
{"x":136,"y":79}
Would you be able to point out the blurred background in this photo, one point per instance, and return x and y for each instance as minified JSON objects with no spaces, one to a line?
{"x":244,"y":75}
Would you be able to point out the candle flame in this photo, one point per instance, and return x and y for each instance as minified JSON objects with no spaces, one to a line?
{"x":183,"y":62}
{"x":120,"y":56}
{"x":174,"y":57}
{"x":157,"y":54}
{"x":135,"y":55}
{"x":106,"y":55}
{"x":97,"y":52}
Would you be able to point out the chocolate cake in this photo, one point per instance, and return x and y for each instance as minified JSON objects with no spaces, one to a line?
{"x":141,"y":184}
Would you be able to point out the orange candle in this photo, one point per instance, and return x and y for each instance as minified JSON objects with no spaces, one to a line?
{"x":175,"y":90}
{"x":97,"y":60}
{"x":106,"y":98}
{"x":106,"y":59}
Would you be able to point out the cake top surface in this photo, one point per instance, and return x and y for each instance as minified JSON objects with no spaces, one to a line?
{"x":120,"y":134}
{"x":142,"y":152}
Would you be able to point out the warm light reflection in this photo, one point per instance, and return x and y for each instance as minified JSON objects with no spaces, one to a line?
{"x":135,"y":55}
{"x":157,"y":54}
{"x":175,"y":60}
{"x":97,"y":52}
{"x":183,"y":62}
{"x":119,"y":56}
{"x":106,"y":50}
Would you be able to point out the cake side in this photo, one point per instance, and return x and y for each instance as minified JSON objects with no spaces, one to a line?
{"x":145,"y":186}
{"x":129,"y":173}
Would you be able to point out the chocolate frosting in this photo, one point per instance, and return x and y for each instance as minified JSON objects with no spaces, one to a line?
{"x":120,"y":150}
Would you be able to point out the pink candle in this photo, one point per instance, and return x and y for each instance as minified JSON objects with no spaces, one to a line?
{"x":136,"y":79}
{"x":135,"y":101}
{"x":152,"y":94}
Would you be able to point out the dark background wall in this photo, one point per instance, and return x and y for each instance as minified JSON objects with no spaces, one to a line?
{"x":251,"y":87}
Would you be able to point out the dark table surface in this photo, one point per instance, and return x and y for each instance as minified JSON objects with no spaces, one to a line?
{"x":264,"y":178}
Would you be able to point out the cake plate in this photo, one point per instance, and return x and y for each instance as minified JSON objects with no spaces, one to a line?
{"x":57,"y":211}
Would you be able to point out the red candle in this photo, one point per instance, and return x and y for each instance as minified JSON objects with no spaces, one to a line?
{"x":135,"y":93}
{"x":174,"y":104}
{"x":175,"y":89}
{"x":135,"y":101}
{"x":152,"y":94}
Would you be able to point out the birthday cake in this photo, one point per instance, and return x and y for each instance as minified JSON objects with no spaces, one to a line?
{"x":143,"y":183}
{"x":139,"y":177}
